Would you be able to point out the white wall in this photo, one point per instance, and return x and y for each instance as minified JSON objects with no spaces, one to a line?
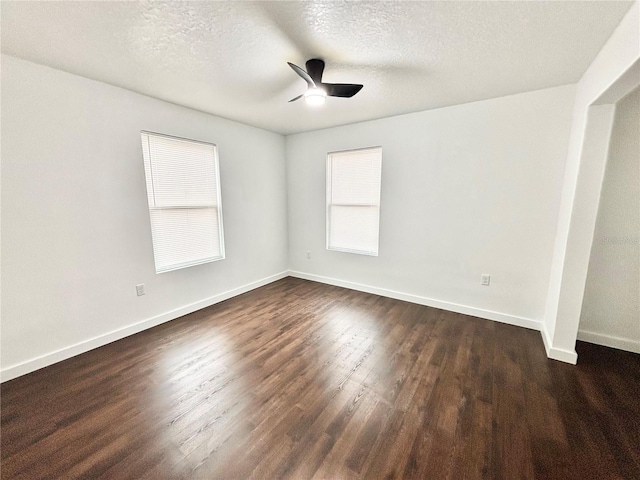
{"x":466,"y":190}
{"x":586,"y":160}
{"x":470,"y":189}
{"x":611,"y":305}
{"x":76,"y":236}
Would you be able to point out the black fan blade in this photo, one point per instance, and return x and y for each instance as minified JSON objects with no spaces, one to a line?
{"x":305,"y":76}
{"x":297,"y":98}
{"x":315,"y":67}
{"x":341,"y":89}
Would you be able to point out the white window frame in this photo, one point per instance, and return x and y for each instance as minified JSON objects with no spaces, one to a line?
{"x":329,"y":204}
{"x":217,"y":207}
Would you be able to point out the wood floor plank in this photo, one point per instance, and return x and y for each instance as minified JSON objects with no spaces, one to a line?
{"x":299,"y":380}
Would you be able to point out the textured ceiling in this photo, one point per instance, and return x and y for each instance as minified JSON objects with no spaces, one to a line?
{"x":229,"y":58}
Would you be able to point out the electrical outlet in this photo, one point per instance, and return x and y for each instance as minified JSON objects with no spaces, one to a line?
{"x":485,"y":279}
{"x":140,"y":289}
{"x":308,"y":254}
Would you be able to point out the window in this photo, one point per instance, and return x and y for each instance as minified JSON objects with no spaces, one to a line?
{"x":183,"y":190}
{"x":353,"y":200}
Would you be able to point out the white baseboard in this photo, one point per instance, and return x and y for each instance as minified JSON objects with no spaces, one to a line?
{"x":429,"y":302}
{"x":37,"y":363}
{"x":609,"y":341}
{"x":560,"y":354}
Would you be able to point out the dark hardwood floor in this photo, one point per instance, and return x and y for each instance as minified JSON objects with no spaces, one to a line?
{"x":301,"y":380}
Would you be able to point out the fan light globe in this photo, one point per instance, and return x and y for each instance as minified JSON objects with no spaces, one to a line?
{"x":315,"y":96}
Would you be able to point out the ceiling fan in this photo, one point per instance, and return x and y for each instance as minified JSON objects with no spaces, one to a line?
{"x":318,"y":92}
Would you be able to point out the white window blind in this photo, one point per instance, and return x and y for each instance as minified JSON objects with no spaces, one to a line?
{"x":353,"y":200}
{"x":183,"y":191}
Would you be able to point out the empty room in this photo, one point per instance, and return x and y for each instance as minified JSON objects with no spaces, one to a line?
{"x":320,"y":240}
